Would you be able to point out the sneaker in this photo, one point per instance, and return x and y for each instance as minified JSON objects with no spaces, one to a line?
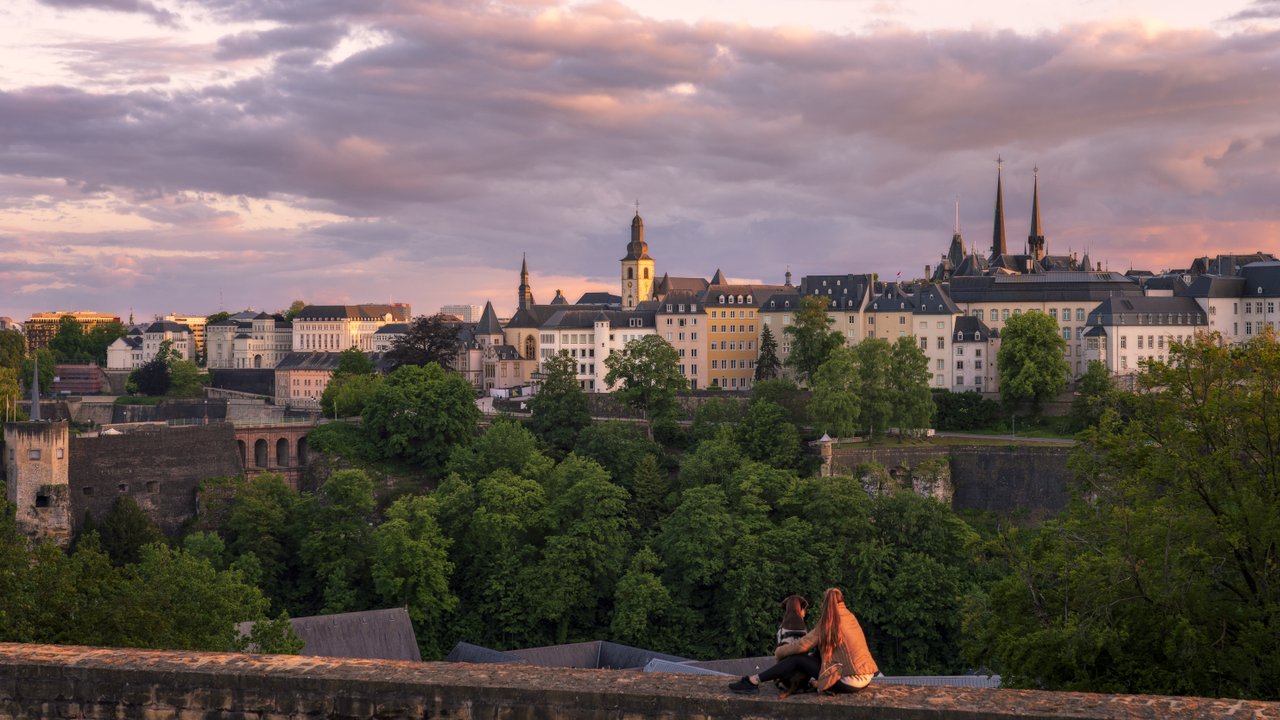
{"x":744,"y":687}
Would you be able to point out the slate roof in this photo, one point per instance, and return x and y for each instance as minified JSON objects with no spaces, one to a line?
{"x":1174,"y":283}
{"x":1143,"y":310}
{"x":488,"y":324}
{"x":970,"y":329}
{"x":392,"y":329}
{"x":161,"y":326}
{"x":672,"y":302}
{"x":933,"y":300}
{"x":890,"y":297}
{"x":597,"y":654}
{"x":667,"y":284}
{"x":506,"y":352}
{"x":1215,"y":286}
{"x":844,"y":291}
{"x":353,"y":312}
{"x":1261,"y":279}
{"x":559,"y":299}
{"x":599,"y":298}
{"x":752,"y":295}
{"x":782,"y":301}
{"x":372,"y":634}
{"x":1071,"y":286}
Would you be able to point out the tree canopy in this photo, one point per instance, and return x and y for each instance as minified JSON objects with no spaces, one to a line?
{"x":646,"y":375}
{"x":13,"y":349}
{"x":1032,"y":367}
{"x":767,"y":364}
{"x":419,"y":414}
{"x":429,"y":339}
{"x":812,"y":338}
{"x":1165,"y":559}
{"x":559,"y":409}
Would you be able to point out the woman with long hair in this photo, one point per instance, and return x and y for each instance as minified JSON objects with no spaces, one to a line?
{"x":843,"y":662}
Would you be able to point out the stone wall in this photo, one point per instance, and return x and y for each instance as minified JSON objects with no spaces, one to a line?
{"x":159,"y":467}
{"x":43,"y":681}
{"x":1006,"y":479}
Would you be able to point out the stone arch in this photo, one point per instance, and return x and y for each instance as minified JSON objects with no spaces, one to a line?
{"x":302,"y":451}
{"x":260,"y":453}
{"x":631,"y":274}
{"x":257,"y":361}
{"x":282,"y":452}
{"x":530,"y":348}
{"x":646,"y":273}
{"x":244,"y":454}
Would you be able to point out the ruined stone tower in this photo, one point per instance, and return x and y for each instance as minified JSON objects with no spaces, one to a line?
{"x":35,"y":457}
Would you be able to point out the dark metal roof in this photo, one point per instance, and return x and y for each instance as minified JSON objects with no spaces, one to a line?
{"x":1261,"y":279}
{"x":668,"y":284}
{"x":1071,"y":286}
{"x":599,"y":298}
{"x":392,"y":329}
{"x":970,"y":329}
{"x":161,"y":326}
{"x":1143,"y":310}
{"x":468,"y":653}
{"x":353,"y":312}
{"x":933,"y":300}
{"x":373,"y":634}
{"x":1215,"y":286}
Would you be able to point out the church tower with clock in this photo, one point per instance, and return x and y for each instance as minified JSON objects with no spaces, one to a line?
{"x":637,"y":268}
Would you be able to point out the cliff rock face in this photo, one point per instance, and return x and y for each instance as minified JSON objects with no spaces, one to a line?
{"x":1005,"y":479}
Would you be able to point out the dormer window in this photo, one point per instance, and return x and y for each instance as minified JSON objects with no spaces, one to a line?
{"x":959,"y":336}
{"x":721,"y":299}
{"x":748,"y":299}
{"x":730,"y":299}
{"x":977,"y":336}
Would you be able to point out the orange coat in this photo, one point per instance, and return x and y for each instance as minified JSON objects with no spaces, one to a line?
{"x":853,"y":657}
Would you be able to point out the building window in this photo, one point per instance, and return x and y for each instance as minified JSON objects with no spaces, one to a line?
{"x":1124,"y":342}
{"x":1053,"y":313}
{"x":959,"y":349}
{"x":924,"y":342}
{"x":33,"y":454}
{"x":1004,"y":314}
{"x":942,"y":342}
{"x":1066,"y":333}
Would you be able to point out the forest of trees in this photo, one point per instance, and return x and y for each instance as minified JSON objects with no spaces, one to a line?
{"x":557,"y":528}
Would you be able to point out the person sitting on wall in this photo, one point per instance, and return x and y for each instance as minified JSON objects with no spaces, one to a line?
{"x":844,"y":663}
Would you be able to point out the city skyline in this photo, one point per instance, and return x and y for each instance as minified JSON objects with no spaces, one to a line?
{"x":162,"y":155}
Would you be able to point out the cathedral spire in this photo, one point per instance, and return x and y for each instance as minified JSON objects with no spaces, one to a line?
{"x":525,"y":299}
{"x":998,"y":245}
{"x":1035,"y":241}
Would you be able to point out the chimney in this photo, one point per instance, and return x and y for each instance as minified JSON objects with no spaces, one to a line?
{"x":927,"y":273}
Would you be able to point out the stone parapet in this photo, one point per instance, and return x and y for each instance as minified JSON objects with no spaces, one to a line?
{"x":40,"y":681}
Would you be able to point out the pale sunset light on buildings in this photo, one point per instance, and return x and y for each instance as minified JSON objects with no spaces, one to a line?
{"x":197,"y":155}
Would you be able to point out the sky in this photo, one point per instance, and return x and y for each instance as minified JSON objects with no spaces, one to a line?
{"x":189,"y":156}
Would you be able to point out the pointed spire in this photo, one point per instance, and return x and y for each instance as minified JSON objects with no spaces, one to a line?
{"x":998,"y":245}
{"x":525,"y":294}
{"x":718,"y":278}
{"x":35,"y":388}
{"x":1035,"y":241}
{"x":488,"y":324}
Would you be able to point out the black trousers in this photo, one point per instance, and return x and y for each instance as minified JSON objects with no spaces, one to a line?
{"x":806,"y":663}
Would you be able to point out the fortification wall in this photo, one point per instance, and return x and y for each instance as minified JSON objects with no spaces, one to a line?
{"x":44,"y":681}
{"x":1007,"y":479}
{"x":159,"y":467}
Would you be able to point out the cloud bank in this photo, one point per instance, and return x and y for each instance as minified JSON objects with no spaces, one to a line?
{"x":414,"y":149}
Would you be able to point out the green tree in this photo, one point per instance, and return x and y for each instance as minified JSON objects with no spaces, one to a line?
{"x":337,"y":545}
{"x":785,"y":393}
{"x":273,"y":636}
{"x":559,"y":410}
{"x":295,"y":308}
{"x":964,"y":410}
{"x":185,"y":379}
{"x":836,"y":405}
{"x":1092,"y":400}
{"x":48,"y":365}
{"x":618,"y":446}
{"x":767,"y":436}
{"x":126,"y":529}
{"x":154,"y":376}
{"x":10,"y":395}
{"x":13,"y":349}
{"x":875,"y":384}
{"x":642,"y":604}
{"x":69,"y":342}
{"x":650,"y":487}
{"x":646,"y":375}
{"x":429,"y":339}
{"x":262,"y":524}
{"x":909,"y":377}
{"x":411,"y":566}
{"x":768,"y":366}
{"x":1166,"y":557}
{"x":347,"y":395}
{"x":100,"y":337}
{"x":419,"y":414}
{"x":505,"y":445}
{"x":812,"y":338}
{"x":712,"y":414}
{"x":1032,"y":367}
{"x":352,"y":361}
{"x":217,"y":317}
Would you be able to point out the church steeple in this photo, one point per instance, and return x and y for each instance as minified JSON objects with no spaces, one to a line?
{"x":998,"y":245}
{"x":525,"y":299}
{"x":1035,"y":241}
{"x":637,"y":267}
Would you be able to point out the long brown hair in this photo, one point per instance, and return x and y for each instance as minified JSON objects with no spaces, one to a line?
{"x":829,"y":625}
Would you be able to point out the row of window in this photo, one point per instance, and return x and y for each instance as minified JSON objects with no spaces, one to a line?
{"x":734,"y":345}
{"x":733,"y":364}
{"x":733,"y":328}
{"x":733,"y":314}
